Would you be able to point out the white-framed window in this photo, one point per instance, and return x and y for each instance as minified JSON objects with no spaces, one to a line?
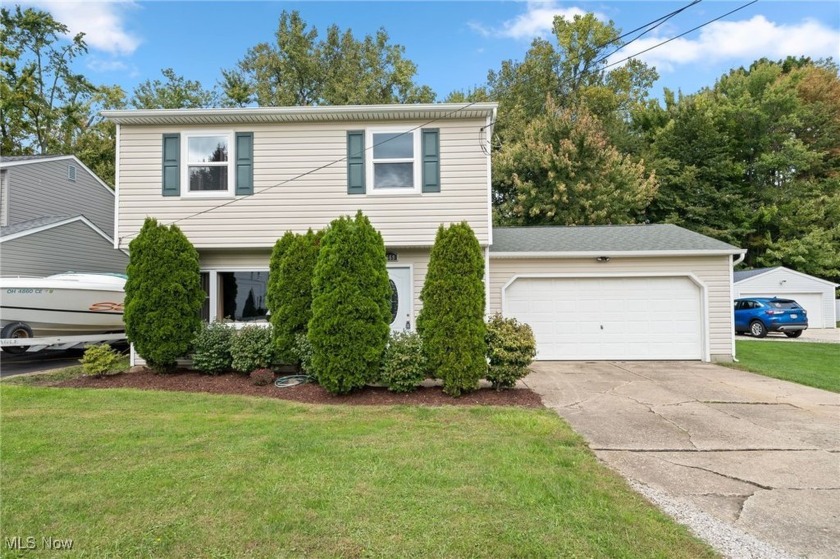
{"x":393,"y":161}
{"x":207,"y":168}
{"x":235,"y":295}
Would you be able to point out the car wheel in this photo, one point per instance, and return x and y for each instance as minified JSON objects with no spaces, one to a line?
{"x":757,"y":329}
{"x":16,"y":330}
{"x":793,"y":333}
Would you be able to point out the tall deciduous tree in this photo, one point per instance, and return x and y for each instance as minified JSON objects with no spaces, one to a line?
{"x":176,"y":92}
{"x":301,"y":69}
{"x":563,"y":171}
{"x":42,"y":101}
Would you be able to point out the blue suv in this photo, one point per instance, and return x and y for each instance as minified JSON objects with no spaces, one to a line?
{"x":759,"y":315}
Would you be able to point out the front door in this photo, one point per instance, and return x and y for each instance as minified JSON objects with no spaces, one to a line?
{"x":401,"y":319}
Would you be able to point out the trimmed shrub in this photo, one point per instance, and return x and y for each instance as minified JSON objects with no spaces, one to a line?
{"x":451,"y":322}
{"x":163,"y":295}
{"x":251,"y":349}
{"x":404,"y":367}
{"x":272,"y":289}
{"x":302,"y":351}
{"x":351,"y":307}
{"x":511,"y":348}
{"x":292,"y":298}
{"x":211,"y":348}
{"x":262,"y":377}
{"x":100,"y":360}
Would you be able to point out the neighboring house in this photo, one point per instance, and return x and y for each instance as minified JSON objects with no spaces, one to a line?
{"x":234,"y":180}
{"x":815,"y":295}
{"x":55,"y":216}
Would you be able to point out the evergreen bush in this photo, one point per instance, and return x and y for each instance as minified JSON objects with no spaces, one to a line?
{"x":211,"y":348}
{"x":302,"y":351}
{"x":351,"y":309}
{"x":252,"y":349}
{"x":101,"y":359}
{"x":511,"y":348}
{"x":272,"y":290}
{"x":163,"y":295}
{"x":262,"y":377}
{"x":451,"y":322}
{"x":292,"y":298}
{"x":403,"y":368}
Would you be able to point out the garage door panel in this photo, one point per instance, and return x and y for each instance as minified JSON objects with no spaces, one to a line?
{"x":610,"y":318}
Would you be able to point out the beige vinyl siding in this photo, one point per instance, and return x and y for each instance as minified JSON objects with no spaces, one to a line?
{"x":41,"y":188}
{"x":248,"y":260}
{"x":713,"y":271}
{"x":283,"y":200}
{"x":72,"y":247}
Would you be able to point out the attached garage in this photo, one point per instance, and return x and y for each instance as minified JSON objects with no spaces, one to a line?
{"x":815,"y":295}
{"x":644,"y":292}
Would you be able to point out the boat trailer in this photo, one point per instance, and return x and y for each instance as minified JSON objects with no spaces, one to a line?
{"x":25,"y":345}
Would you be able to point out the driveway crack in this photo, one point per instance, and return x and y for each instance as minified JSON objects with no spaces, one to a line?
{"x":708,"y":470}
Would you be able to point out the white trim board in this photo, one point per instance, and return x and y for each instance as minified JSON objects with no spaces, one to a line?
{"x":616,"y":254}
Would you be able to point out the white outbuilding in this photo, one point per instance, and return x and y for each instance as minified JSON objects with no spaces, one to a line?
{"x":815,"y":295}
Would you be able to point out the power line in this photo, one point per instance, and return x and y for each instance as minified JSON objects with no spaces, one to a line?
{"x":738,"y":9}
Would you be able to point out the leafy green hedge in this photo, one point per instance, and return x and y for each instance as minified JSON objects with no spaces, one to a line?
{"x":451,"y":322}
{"x":350,"y":305}
{"x":163,"y":294}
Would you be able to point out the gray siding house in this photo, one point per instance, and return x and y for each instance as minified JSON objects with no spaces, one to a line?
{"x":55,"y":216}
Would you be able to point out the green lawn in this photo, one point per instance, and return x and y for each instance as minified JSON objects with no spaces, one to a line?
{"x":811,"y":364}
{"x":129,"y":473}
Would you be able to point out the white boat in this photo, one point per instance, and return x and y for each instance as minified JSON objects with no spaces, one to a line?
{"x":62,"y":304}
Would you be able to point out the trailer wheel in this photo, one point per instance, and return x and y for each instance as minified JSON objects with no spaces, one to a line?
{"x":16,"y":330}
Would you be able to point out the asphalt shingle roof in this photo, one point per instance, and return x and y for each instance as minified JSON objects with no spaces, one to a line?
{"x":32,"y":224}
{"x":606,"y":238}
{"x":745,"y":274}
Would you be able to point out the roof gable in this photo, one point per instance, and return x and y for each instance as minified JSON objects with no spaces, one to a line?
{"x":744,"y":276}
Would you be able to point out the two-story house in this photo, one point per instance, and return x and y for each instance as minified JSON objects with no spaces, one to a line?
{"x":234,"y":180}
{"x":55,"y":216}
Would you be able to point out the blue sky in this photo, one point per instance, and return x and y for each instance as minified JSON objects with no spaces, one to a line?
{"x":454,"y":44}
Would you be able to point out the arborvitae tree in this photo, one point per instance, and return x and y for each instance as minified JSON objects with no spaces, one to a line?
{"x":350,"y":305}
{"x":163,"y":294}
{"x":273,"y":286}
{"x":451,"y":322}
{"x":293,"y":297}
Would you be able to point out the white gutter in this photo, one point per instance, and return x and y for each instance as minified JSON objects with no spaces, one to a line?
{"x":618,"y":254}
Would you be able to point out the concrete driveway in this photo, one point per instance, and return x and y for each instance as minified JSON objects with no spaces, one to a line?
{"x":736,"y":456}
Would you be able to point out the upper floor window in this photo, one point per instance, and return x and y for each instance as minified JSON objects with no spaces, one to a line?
{"x":207,"y":166}
{"x":392,"y":162}
{"x":207,"y":163}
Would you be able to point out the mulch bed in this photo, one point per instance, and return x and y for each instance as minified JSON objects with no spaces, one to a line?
{"x":232,"y":383}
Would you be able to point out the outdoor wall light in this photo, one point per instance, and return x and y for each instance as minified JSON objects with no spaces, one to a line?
{"x":603,"y":259}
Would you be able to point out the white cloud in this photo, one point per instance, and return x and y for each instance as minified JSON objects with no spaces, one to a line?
{"x":101,"y":65}
{"x":103,"y":23}
{"x":537,"y":21}
{"x":746,"y":40}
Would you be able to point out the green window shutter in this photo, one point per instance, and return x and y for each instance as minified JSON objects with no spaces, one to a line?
{"x":431,"y":159}
{"x":356,"y":162}
{"x":171,"y":165}
{"x":244,"y":163}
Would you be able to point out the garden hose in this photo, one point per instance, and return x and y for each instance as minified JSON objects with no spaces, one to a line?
{"x":292,"y":380}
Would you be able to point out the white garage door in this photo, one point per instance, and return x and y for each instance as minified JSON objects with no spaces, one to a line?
{"x":610,"y":318}
{"x":811,"y":302}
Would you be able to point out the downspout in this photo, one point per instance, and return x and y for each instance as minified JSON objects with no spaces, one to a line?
{"x":732,"y":300}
